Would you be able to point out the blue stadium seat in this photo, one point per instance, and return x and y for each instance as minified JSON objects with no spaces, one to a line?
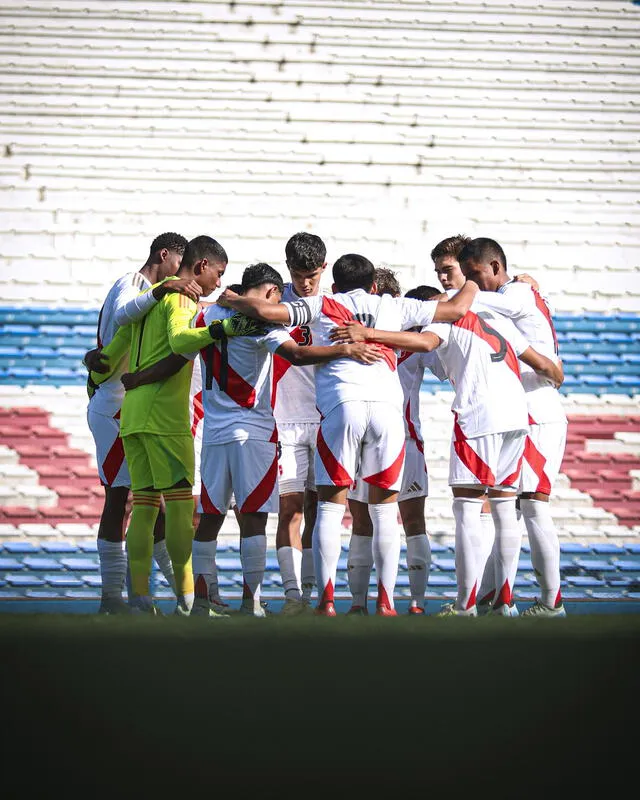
{"x":444,"y":564}
{"x":585,"y":581}
{"x":595,"y":565}
{"x":606,"y":548}
{"x":42,"y":594}
{"x":441,"y":580}
{"x":23,"y":581}
{"x":82,"y":594}
{"x":89,"y":547}
{"x":79,"y":564}
{"x":10,"y":563}
{"x":63,"y":581}
{"x":38,"y":563}
{"x":60,"y":547}
{"x":21,"y":547}
{"x":229,"y":564}
{"x":92,"y":580}
{"x":623,"y":564}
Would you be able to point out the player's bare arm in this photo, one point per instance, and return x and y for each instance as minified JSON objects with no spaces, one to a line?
{"x":255,"y":307}
{"x":457,"y":306}
{"x":353,"y":331}
{"x":544,"y":366}
{"x":159,"y":371}
{"x":301,"y":356}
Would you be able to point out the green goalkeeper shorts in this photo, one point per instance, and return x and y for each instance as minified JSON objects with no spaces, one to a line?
{"x":159,"y":460}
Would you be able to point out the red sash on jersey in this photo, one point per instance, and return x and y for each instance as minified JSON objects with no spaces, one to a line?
{"x":544,"y":309}
{"x":501,"y":347}
{"x":281,"y":365}
{"x":227,"y":379}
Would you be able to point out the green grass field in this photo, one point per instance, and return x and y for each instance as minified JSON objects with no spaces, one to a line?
{"x":139,"y":705}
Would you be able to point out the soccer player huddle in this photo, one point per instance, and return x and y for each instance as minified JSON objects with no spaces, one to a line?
{"x":303,"y":402}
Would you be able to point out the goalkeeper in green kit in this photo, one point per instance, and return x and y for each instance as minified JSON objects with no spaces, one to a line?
{"x":154,"y":420}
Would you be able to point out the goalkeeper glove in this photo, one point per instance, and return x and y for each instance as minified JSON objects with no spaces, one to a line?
{"x":237,"y":325}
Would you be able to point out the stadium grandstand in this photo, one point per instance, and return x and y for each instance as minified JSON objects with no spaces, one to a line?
{"x":381,"y":126}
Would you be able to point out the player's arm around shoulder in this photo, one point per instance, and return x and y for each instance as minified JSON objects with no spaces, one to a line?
{"x":457,"y":306}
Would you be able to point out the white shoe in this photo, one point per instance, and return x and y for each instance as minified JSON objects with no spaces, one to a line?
{"x":114,"y":605}
{"x":449,"y":610}
{"x":539,"y":609}
{"x":505,"y":611}
{"x":203,"y":608}
{"x":248,"y":608}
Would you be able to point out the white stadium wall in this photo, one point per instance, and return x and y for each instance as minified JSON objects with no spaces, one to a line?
{"x":381,"y":126}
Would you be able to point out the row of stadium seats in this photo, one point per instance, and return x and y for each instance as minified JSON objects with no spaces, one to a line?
{"x":601,"y":353}
{"x":60,"y":569}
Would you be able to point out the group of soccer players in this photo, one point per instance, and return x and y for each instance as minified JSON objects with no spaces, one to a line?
{"x":304,"y":401}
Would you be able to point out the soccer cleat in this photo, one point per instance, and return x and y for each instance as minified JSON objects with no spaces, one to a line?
{"x":539,"y":609}
{"x":113,"y":605}
{"x":249,"y":609}
{"x":217,"y":604}
{"x":142,"y":604}
{"x":328,"y":610}
{"x":449,"y":610}
{"x":293,"y":607}
{"x":383,"y":610}
{"x":503,"y":610}
{"x":203,"y":608}
{"x":416,"y":611}
{"x":358,"y":611}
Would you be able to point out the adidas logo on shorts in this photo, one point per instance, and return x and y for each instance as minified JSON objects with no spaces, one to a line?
{"x":415,"y":487}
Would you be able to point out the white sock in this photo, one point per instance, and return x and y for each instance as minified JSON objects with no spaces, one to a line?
{"x":163,"y":560}
{"x":203,"y":563}
{"x":359,"y":566}
{"x":468,"y":544}
{"x":486,"y":569}
{"x":307,"y":573}
{"x":253,"y":555}
{"x":507,"y":547}
{"x":545,"y":549}
{"x":113,"y":567}
{"x":419,"y":564}
{"x":326,"y":548}
{"x":386,"y":549}
{"x":290,"y":561}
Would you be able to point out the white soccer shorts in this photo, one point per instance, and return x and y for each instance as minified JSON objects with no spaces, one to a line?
{"x":494,"y":460}
{"x":295,"y":467}
{"x":415,"y":482}
{"x":112,"y":465}
{"x":543,"y":453}
{"x":247,"y":471}
{"x":361,"y":438}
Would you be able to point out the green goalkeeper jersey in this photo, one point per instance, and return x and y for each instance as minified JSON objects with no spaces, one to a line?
{"x":161,"y":407}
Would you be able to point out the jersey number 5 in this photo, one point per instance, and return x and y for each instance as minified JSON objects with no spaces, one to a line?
{"x":500,"y":344}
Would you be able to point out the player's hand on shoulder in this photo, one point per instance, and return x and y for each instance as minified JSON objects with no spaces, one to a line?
{"x":523,"y":277}
{"x":186,"y":286}
{"x":351,"y":331}
{"x":95,"y":361}
{"x":226,"y":298}
{"x":364,"y":353}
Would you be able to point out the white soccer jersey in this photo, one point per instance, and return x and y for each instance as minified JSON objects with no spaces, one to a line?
{"x":531,"y":315}
{"x":479,"y":354}
{"x":344,"y":379}
{"x":108,"y":400}
{"x":294,"y":388}
{"x":236,"y":396}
